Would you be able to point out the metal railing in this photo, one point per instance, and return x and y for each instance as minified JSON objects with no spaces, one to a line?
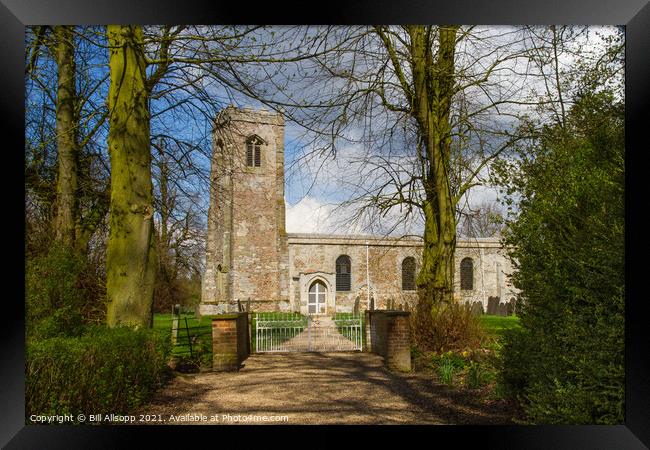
{"x":190,"y":339}
{"x":352,"y":327}
{"x":270,"y":331}
{"x":292,"y":332}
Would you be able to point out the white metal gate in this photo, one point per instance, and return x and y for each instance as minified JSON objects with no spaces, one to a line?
{"x":280,"y":332}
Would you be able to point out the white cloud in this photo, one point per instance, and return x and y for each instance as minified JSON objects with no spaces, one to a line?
{"x":480,"y":195}
{"x":309,"y":215}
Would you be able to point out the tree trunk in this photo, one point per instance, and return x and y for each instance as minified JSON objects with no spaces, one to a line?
{"x":433,"y":83}
{"x":164,"y":209}
{"x":66,"y":138}
{"x":130,"y":258}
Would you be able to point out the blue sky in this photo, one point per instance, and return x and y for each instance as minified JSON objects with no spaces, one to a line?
{"x":312,"y":189}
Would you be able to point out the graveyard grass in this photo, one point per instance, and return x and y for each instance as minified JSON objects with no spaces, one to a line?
{"x":497,"y":325}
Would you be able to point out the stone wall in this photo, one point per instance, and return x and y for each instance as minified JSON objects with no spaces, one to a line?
{"x":313,"y":256}
{"x":246,"y":255}
{"x":492,"y":270}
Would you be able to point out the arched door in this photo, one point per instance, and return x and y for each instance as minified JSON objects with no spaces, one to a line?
{"x":317,"y":298}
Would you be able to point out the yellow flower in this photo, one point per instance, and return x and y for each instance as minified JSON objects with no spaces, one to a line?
{"x":465,"y":353}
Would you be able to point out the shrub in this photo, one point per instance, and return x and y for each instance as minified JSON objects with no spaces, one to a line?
{"x":62,"y":294}
{"x":566,"y":364}
{"x":415,"y":352}
{"x":105,"y":370}
{"x":515,"y":363}
{"x":451,"y":327}
{"x":477,"y":375}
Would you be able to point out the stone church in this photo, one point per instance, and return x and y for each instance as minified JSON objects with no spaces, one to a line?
{"x":251,"y":258}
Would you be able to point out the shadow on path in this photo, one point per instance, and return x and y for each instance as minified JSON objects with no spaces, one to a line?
{"x":325,"y":388}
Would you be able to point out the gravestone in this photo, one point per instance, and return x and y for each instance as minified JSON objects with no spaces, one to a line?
{"x":176,"y":314}
{"x":493,"y":305}
{"x":502,"y":311}
{"x":477,"y":308}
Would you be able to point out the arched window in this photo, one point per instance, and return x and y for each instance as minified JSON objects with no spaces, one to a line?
{"x":467,"y":274}
{"x":253,"y":151}
{"x":408,"y":274}
{"x":343,"y":278}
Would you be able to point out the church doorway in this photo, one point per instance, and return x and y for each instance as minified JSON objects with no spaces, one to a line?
{"x":317,"y":301}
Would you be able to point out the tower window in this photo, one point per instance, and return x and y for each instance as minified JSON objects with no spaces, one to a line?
{"x":343,"y":273}
{"x":408,"y":274}
{"x":467,"y":274}
{"x":253,"y":152}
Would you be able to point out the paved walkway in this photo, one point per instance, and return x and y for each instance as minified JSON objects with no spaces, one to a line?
{"x":320,"y":388}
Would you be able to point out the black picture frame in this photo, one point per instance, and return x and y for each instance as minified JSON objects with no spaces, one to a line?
{"x":634,"y":14}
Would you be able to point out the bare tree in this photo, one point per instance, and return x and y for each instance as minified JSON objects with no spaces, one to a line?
{"x":416,"y":98}
{"x":485,"y":220}
{"x":180,"y":71}
{"x":420,"y":113}
{"x":76,"y":123}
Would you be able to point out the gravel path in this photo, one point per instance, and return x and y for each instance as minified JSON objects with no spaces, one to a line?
{"x":319,"y":388}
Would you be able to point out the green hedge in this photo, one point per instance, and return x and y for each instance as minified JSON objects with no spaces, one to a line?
{"x":103,"y":371}
{"x":566,"y":363}
{"x":55,"y":294}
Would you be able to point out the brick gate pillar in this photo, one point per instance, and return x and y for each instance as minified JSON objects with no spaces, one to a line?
{"x":230,"y":346}
{"x":367,"y":347}
{"x":398,"y":341}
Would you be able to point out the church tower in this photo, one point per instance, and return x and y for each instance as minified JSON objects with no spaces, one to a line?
{"x":247,"y":255}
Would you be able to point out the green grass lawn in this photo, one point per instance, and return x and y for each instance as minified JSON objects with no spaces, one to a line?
{"x":164,"y":321}
{"x":496,"y":325}
{"x":199,"y":330}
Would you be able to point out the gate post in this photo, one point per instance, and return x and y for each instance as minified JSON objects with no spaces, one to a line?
{"x":367,"y":323}
{"x":398,"y":345}
{"x":388,"y":334}
{"x":230,"y":345}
